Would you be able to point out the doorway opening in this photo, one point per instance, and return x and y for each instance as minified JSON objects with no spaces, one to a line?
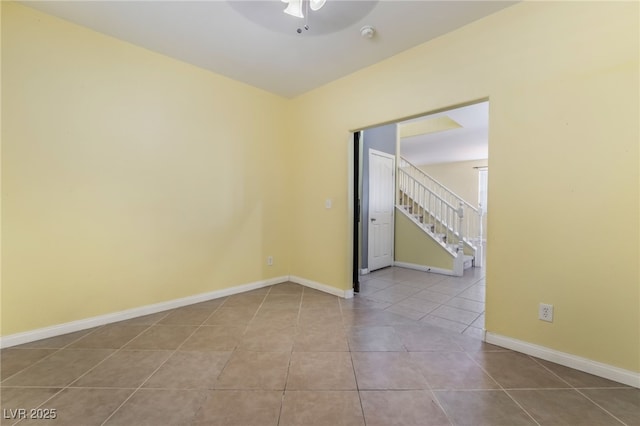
{"x":451,"y":148}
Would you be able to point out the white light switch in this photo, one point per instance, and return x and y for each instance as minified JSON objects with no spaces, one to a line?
{"x":328,"y":203}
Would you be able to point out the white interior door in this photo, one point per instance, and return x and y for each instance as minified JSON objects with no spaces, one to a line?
{"x":381,"y":205}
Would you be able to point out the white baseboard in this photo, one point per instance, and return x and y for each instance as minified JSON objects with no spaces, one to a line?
{"x":83,"y":324}
{"x":345,"y":294}
{"x":610,"y":372}
{"x":424,"y":268}
{"x":364,"y":271}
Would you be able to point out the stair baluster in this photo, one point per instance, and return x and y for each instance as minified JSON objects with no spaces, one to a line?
{"x":443,"y":214}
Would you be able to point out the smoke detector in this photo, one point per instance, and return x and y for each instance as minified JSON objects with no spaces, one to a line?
{"x":367,"y":31}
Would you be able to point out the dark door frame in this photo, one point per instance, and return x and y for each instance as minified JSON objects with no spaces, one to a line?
{"x":356,"y":211}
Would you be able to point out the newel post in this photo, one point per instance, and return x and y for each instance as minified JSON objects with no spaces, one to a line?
{"x":460,"y":227}
{"x":480,"y":213}
{"x":479,"y":258}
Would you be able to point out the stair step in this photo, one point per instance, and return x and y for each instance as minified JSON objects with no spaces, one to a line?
{"x":468,"y":261}
{"x":430,"y":228}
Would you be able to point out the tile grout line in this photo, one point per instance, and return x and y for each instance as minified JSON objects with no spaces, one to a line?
{"x":246,"y":327}
{"x":355,"y":376}
{"x":553,"y":373}
{"x":161,"y":364}
{"x":55,"y":351}
{"x":519,"y":405}
{"x":574,"y":388}
{"x":506,"y":390}
{"x":502,"y":388}
{"x":204,"y":323}
{"x":434,"y":396}
{"x":353,"y":367}
{"x":600,"y":406}
{"x":122,"y":348}
{"x":63,"y":388}
{"x":115,"y":351}
{"x":441,"y":281}
{"x":286,"y":378}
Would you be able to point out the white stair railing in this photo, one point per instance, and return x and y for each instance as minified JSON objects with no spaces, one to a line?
{"x":472,"y":216}
{"x":444,"y":221}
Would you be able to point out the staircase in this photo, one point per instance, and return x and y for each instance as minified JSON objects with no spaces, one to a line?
{"x":451,"y":221}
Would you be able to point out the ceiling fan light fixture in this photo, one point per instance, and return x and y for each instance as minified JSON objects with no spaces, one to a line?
{"x":316,"y":4}
{"x":294,"y":8}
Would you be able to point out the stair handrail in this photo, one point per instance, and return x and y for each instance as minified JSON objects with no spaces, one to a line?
{"x":448,"y":204}
{"x":405,"y":163}
{"x":447,"y":217}
{"x":474,"y":230}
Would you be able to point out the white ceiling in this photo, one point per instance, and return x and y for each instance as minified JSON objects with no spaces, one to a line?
{"x":256,"y":43}
{"x":469,"y":142}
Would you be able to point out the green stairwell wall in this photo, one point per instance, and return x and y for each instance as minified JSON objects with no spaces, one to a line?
{"x":414,"y":246}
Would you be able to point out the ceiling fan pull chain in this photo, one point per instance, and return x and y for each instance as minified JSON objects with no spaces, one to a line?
{"x":306,"y":17}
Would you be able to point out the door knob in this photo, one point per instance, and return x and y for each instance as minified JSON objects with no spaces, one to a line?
{"x":373,"y":219}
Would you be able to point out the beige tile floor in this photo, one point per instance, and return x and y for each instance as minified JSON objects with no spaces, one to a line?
{"x":455,"y":303}
{"x":288,"y":355}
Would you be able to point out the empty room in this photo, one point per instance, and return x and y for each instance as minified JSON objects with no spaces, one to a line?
{"x":181,"y":214}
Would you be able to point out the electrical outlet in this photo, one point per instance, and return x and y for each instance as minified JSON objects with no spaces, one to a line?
{"x":545,"y":312}
{"x":270,"y":260}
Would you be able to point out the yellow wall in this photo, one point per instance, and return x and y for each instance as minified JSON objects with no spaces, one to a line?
{"x":1,"y":198}
{"x":563,"y":90}
{"x":414,"y":246}
{"x":460,"y":177}
{"x":129,"y":178}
